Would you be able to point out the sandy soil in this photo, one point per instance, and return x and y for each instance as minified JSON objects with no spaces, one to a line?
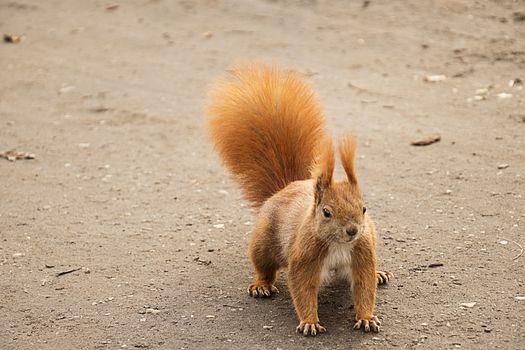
{"x":126,"y":189}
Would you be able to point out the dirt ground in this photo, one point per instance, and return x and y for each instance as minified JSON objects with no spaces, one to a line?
{"x":126,"y":188}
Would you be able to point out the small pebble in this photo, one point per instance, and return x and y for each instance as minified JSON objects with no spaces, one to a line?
{"x":504,"y":95}
{"x":515,"y":82}
{"x":469,"y":305}
{"x":435,"y":78}
{"x":11,"y":38}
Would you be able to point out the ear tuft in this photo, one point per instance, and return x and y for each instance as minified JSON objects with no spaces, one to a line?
{"x":323,"y":170}
{"x":347,"y":147}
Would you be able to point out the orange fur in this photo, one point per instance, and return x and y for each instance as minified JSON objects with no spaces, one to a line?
{"x":269,"y":131}
{"x":324,"y":165}
{"x":347,"y":147}
{"x":266,"y":125}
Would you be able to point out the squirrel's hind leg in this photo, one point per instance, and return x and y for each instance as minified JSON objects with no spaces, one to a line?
{"x":262,"y":252}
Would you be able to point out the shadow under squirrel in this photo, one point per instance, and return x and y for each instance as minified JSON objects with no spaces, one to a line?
{"x":269,"y":131}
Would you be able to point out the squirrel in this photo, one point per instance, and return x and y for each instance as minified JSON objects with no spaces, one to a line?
{"x":269,"y":130}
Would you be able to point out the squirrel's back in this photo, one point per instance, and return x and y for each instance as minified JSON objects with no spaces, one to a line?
{"x":267,"y":126}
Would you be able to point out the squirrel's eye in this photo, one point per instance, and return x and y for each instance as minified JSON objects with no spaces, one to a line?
{"x":364,"y":210}
{"x":326,"y":213}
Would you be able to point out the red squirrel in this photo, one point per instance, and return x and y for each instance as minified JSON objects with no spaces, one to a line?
{"x":269,"y":131}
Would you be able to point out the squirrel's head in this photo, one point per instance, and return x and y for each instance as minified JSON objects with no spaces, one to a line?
{"x":338,"y":209}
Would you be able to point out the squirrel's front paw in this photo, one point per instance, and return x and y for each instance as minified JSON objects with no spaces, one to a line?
{"x":383,"y":277}
{"x":310,"y":328}
{"x":262,"y":290}
{"x":371,"y":323}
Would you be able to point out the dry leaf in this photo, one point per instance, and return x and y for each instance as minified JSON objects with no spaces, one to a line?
{"x":426,"y":140}
{"x":13,"y":155}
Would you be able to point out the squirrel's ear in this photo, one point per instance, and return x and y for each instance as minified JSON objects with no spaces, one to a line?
{"x":318,"y":190}
{"x":347,"y":147}
{"x":323,"y":171}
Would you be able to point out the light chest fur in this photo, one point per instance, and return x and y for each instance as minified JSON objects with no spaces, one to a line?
{"x":337,"y":263}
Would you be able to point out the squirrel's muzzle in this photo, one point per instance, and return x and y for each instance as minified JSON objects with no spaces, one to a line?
{"x":351,"y":231}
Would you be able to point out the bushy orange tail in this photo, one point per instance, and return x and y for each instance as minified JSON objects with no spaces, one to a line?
{"x":266,"y":125}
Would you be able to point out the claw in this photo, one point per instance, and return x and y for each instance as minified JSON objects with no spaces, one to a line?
{"x":257,"y":290}
{"x":376,"y":320}
{"x":372,"y":323}
{"x":310,"y":328}
{"x":383,"y":277}
{"x":306,"y":329}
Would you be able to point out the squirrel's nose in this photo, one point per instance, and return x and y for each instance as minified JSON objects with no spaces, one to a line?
{"x":351,"y":231}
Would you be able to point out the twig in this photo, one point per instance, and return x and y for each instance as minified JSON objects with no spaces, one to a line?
{"x":519,"y":245}
{"x":68,"y":271}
